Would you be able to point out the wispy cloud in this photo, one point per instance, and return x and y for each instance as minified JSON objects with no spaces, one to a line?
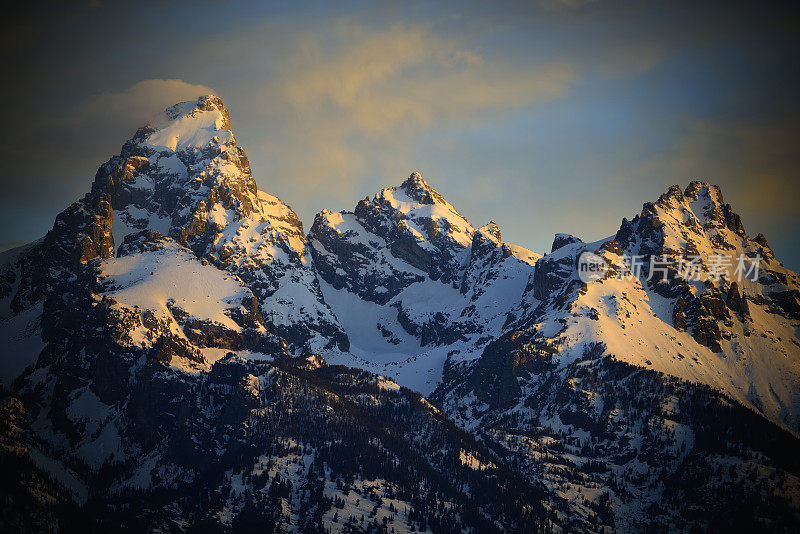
{"x":336,"y":97}
{"x":76,"y":137}
{"x":136,"y":105}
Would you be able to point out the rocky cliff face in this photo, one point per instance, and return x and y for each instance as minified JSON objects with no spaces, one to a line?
{"x":701,"y":328}
{"x":556,"y":377}
{"x":431,"y":289}
{"x":168,"y":346}
{"x":186,"y":179}
{"x":400,"y":236}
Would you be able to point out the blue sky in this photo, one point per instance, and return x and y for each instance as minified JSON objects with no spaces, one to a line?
{"x":550,"y":116}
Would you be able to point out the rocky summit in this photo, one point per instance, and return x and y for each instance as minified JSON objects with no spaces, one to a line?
{"x":180,"y":355}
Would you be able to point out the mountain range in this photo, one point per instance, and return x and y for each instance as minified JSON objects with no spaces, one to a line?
{"x":182,"y":356}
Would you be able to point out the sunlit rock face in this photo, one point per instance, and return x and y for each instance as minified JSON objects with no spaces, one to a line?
{"x":729,"y":333}
{"x":649,"y":375}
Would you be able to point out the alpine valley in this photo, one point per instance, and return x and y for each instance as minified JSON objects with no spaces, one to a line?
{"x":180,"y":355}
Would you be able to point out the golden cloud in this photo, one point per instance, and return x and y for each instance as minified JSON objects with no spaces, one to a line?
{"x":408,"y":76}
{"x":338,"y":96}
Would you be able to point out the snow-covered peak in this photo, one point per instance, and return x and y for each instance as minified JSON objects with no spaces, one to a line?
{"x":697,"y":189}
{"x":426,"y":214}
{"x":700,"y":206}
{"x":694,"y":222}
{"x":185,"y":177}
{"x":414,"y":283}
{"x":490,"y":231}
{"x":398,"y":237}
{"x":420,"y":191}
{"x":734,"y":334}
{"x":191,"y":125}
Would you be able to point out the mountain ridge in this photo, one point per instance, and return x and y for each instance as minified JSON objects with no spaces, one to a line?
{"x":176,"y":307}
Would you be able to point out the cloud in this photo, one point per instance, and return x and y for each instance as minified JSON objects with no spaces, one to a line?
{"x":409,"y":76}
{"x":356,"y":98}
{"x":136,"y":105}
{"x":58,"y":145}
{"x":77,"y":138}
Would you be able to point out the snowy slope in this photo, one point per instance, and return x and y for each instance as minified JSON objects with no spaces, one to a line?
{"x":185,"y":176}
{"x":635,"y":323}
{"x":414,"y":285}
{"x":737,"y":336}
{"x":150,"y":279}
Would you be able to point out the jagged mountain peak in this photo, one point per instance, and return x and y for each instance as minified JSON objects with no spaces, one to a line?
{"x":398,"y":237}
{"x":435,"y":287}
{"x":183,"y":175}
{"x":413,"y":198}
{"x":697,"y":223}
{"x":562,"y":240}
{"x":210,"y":102}
{"x":419,"y":190}
{"x":491,"y":230}
{"x":723,"y":323}
{"x":694,"y":221}
{"x":700,"y":204}
{"x":190,"y":125}
{"x":697,"y":189}
{"x":416,"y":199}
{"x":184,"y":181}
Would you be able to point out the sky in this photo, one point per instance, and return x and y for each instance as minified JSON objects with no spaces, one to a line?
{"x":549,"y":116}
